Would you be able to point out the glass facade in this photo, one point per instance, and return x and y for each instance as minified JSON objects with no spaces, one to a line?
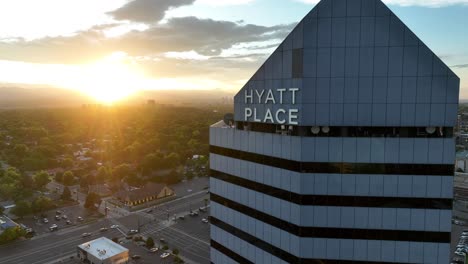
{"x":342,"y":149}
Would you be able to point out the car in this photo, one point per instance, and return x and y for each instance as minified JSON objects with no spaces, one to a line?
{"x":58,"y":212}
{"x":103,"y":229}
{"x":57,"y":217}
{"x":85,"y":234}
{"x":136,"y":257}
{"x":181,"y":217}
{"x":132,"y":231}
{"x":35,"y":217}
{"x":64,"y":217}
{"x":79,"y":218}
{"x":53,"y":227}
{"x":152,"y":250}
{"x":114,"y":226}
{"x":149,"y":211}
{"x":162,"y":240}
{"x":202,"y":209}
{"x":45,"y":220}
{"x":68,"y":222}
{"x":204,"y":220}
{"x":165,"y":255}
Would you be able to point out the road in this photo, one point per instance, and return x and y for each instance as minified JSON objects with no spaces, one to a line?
{"x":190,"y":236}
{"x":47,"y":248}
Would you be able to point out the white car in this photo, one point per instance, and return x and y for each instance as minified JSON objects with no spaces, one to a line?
{"x":204,"y":220}
{"x":154,"y":249}
{"x":114,"y":226}
{"x":165,"y":255}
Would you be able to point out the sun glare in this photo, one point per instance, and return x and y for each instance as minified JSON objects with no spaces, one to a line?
{"x":109,"y":80}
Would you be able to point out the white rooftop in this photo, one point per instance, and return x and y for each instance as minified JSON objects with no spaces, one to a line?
{"x":102,"y":248}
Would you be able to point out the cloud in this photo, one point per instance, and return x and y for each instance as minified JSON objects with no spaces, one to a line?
{"x":206,"y":37}
{"x":459,"y":66}
{"x":224,"y":2}
{"x":147,"y":11}
{"x":423,"y":3}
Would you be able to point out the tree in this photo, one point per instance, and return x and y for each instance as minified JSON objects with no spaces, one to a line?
{"x":165,"y":247}
{"x":67,"y":163}
{"x":172,"y":160}
{"x":121,"y":171}
{"x":21,"y":209}
{"x":11,"y":234}
{"x":2,"y":209}
{"x":41,"y":204}
{"x":68,"y":178}
{"x":66,"y":194}
{"x":91,"y":200}
{"x":102,"y":174}
{"x":41,"y":179}
{"x":149,"y":242}
{"x":58,"y":177}
{"x":115,"y":239}
{"x":20,"y":150}
{"x":178,"y":260}
{"x":175,"y":251}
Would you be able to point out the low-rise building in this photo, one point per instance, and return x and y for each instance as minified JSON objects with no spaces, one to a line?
{"x":102,"y":251}
{"x":150,"y":192}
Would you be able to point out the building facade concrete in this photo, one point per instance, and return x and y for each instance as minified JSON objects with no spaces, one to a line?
{"x":342,"y":148}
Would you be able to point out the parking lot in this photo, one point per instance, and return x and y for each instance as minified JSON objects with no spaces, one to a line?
{"x":40,"y":226}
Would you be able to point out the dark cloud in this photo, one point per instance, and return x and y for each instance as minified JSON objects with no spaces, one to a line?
{"x":459,"y":66}
{"x":146,"y":11}
{"x":205,"y":36}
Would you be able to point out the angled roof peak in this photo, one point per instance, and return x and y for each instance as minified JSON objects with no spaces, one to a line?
{"x":347,"y":53}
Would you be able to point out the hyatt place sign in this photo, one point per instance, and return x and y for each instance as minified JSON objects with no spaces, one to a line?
{"x":270,"y":97}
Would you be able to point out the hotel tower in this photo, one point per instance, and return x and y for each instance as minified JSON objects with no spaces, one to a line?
{"x":341,"y":148}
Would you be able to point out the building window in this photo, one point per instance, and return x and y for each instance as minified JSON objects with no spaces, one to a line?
{"x":297,"y":63}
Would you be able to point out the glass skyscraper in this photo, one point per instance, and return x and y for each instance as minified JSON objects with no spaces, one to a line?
{"x":341,"y":149}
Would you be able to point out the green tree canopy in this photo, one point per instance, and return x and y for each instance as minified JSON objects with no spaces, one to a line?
{"x":41,"y":179}
{"x":41,"y":204}
{"x":149,"y":242}
{"x":102,"y":175}
{"x":11,"y":234}
{"x":22,"y":209}
{"x":66,"y":194}
{"x":68,"y":178}
{"x":91,"y":200}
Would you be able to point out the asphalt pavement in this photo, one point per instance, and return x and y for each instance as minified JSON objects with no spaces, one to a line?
{"x":190,"y":236}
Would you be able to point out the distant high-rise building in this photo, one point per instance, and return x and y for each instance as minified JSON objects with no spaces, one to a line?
{"x":342,"y":149}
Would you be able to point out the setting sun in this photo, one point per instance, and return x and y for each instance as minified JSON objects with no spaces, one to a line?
{"x":108,"y":80}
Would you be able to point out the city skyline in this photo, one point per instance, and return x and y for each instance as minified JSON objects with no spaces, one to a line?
{"x":179,"y":44}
